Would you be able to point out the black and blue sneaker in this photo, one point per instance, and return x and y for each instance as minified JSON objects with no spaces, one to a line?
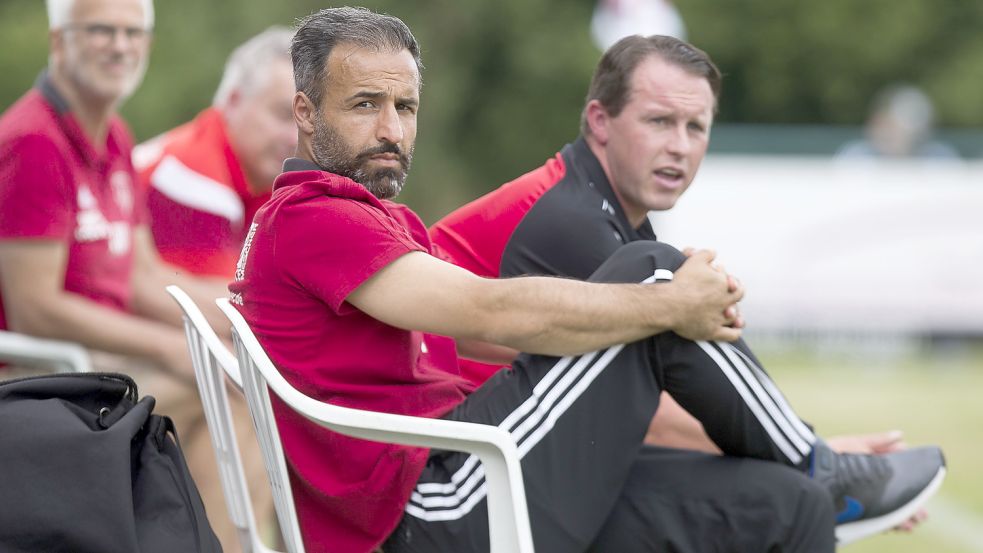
{"x":874,"y":493}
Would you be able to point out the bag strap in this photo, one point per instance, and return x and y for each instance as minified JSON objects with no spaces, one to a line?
{"x":51,"y":381}
{"x":159,"y":426}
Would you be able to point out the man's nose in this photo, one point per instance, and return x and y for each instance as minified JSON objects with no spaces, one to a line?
{"x":679,"y":142}
{"x":121,"y":41}
{"x":389,"y":127}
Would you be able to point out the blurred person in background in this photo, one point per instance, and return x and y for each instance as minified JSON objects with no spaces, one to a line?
{"x":613,"y":20}
{"x":77,"y":261}
{"x":645,"y":130}
{"x":205,"y":179}
{"x":900,"y":125}
{"x":203,"y":182}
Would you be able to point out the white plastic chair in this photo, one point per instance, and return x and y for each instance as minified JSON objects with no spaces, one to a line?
{"x":211,"y":358}
{"x":508,"y":518}
{"x":28,"y":350}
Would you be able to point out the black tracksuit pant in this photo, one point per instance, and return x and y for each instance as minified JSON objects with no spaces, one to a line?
{"x":591,"y":485}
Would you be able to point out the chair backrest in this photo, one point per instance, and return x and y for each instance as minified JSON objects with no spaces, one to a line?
{"x":28,"y":350}
{"x":211,"y":359}
{"x":508,"y":517}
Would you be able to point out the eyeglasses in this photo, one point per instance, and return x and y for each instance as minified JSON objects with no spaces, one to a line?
{"x":102,"y":34}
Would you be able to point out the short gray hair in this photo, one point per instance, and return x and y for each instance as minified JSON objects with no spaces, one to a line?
{"x":60,"y":13}
{"x":248,"y":65}
{"x":318,"y":33}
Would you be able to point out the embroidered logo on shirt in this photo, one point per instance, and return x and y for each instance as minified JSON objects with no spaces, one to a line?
{"x":606,"y":206}
{"x":241,"y":264}
{"x":91,"y":225}
{"x":122,"y":187}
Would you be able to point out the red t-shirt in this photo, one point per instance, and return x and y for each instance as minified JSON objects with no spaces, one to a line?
{"x":55,"y":185}
{"x":199,"y":201}
{"x":318,"y":238}
{"x":474,"y":236}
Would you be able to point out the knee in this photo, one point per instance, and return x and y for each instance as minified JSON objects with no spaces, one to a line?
{"x":662,"y":255}
{"x":812,"y":526}
{"x":636,"y":261}
{"x":814,"y":504}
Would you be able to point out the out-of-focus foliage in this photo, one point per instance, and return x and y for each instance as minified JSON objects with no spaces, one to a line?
{"x":505,"y":79}
{"x":821,"y":62}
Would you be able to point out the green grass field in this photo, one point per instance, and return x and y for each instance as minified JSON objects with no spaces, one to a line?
{"x":933,"y":398}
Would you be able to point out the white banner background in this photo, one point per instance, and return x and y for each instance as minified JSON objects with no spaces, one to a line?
{"x":881,"y":247}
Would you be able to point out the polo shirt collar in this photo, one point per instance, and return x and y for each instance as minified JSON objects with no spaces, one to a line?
{"x":583,"y":160}
{"x":51,"y":95}
{"x":298,"y":171}
{"x":298,"y":164}
{"x":73,"y":131}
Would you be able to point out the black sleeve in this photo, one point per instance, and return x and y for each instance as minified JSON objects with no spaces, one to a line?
{"x":560,"y":238}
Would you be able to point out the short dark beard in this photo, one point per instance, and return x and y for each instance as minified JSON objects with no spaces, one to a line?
{"x":334,"y":155}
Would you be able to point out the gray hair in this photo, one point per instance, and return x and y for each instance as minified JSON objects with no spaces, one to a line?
{"x":247,"y":67}
{"x":318,"y":33}
{"x":60,"y":13}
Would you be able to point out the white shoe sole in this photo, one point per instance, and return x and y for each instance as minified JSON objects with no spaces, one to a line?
{"x":853,"y":531}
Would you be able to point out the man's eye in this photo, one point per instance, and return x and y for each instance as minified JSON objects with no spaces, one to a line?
{"x":135,"y":33}
{"x":101,"y":30}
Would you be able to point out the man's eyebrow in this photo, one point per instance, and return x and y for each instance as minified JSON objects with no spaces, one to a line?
{"x":375,"y":95}
{"x":366,"y":94}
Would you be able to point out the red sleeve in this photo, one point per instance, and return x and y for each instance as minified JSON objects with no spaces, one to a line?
{"x":141,"y":208}
{"x":475,"y":236}
{"x":330,"y":247}
{"x":36,"y":198}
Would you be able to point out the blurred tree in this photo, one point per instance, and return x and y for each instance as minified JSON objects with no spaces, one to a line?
{"x":822,"y":62}
{"x":505,"y":79}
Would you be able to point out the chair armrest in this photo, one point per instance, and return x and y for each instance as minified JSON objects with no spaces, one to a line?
{"x":508,"y":514}
{"x":194,"y":317}
{"x":28,"y":350}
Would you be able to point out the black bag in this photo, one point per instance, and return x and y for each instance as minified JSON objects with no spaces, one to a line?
{"x":85,"y":467}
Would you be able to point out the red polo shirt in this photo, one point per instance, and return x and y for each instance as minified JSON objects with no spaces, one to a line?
{"x":56,"y":185}
{"x":199,"y":201}
{"x":319,"y":238}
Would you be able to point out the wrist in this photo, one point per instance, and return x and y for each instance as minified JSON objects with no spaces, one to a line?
{"x":666,"y":313}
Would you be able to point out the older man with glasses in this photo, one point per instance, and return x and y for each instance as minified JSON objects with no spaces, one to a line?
{"x":77,"y":261}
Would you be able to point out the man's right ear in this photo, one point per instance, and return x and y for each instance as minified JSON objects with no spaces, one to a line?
{"x":304,"y":113}
{"x":56,"y":42}
{"x":597,"y":120}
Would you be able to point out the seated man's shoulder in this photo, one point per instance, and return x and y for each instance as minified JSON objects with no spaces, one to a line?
{"x":36,"y":156}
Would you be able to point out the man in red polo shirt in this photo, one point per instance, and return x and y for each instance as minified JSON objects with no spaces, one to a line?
{"x":77,"y":261}
{"x":340,"y":287}
{"x":205,"y":179}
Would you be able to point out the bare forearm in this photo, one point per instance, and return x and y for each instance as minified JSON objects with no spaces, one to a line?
{"x":562,"y":317}
{"x":486,"y":352}
{"x":549,"y":315}
{"x":71,"y":317}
